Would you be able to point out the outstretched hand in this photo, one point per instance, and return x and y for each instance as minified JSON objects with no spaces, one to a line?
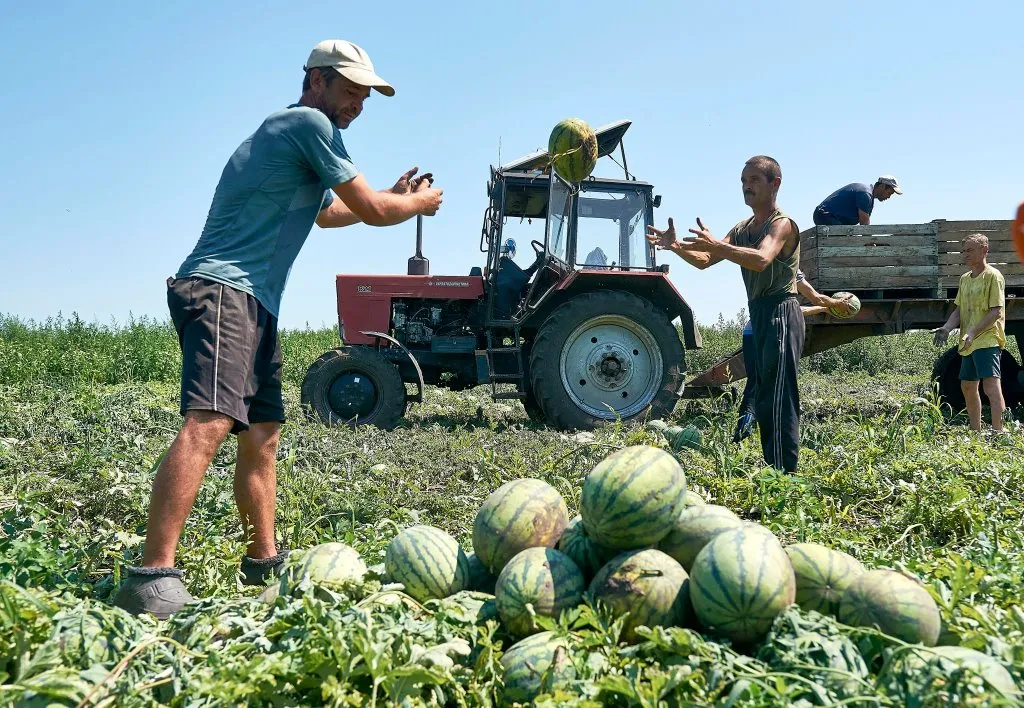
{"x":407,"y":183}
{"x":662,"y":239}
{"x":940,"y":335}
{"x":702,"y":240}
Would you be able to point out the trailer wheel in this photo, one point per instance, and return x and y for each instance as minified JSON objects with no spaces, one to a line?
{"x":946,"y":372}
{"x":603,"y":356}
{"x":353,"y":386}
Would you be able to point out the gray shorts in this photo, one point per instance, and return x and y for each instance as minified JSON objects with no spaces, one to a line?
{"x":230,"y":352}
{"x":981,"y":364}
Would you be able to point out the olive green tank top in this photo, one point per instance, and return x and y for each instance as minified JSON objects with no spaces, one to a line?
{"x":779,"y":277}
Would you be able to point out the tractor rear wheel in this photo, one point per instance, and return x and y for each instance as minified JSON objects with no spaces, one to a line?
{"x":604,"y":356}
{"x":946,"y":372}
{"x":352,"y":386}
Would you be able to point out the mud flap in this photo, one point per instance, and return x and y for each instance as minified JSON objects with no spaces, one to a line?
{"x":418,"y":396}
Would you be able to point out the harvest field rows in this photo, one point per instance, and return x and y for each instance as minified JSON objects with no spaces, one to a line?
{"x":86,"y":411}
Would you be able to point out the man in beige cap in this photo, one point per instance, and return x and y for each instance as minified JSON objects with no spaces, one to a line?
{"x":292,"y":172}
{"x":853,"y":204}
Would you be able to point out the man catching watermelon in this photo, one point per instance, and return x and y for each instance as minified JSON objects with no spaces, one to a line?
{"x":766,"y":246}
{"x":292,"y":172}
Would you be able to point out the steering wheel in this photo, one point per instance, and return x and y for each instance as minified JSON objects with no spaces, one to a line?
{"x":538,"y":247}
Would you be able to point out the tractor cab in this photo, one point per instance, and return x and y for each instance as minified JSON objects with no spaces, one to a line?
{"x":599,"y":224}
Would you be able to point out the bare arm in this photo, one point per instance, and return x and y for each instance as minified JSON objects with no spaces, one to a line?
{"x":942,"y":333}
{"x":990,"y":318}
{"x":337,"y":214}
{"x":756,"y":259}
{"x":385,"y":208}
{"x":863,"y":217}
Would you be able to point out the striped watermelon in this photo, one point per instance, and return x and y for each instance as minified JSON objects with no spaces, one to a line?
{"x":542,"y":577}
{"x":538,"y":664}
{"x":741,"y":581}
{"x":428,"y":562}
{"x":822,"y":574}
{"x":693,"y":498}
{"x":893,"y":603}
{"x":524,"y":513}
{"x":649,"y":585}
{"x":335,"y":566}
{"x":480,"y":579}
{"x":632,"y":498}
{"x":951,"y":658}
{"x":585,"y":553}
{"x":572,"y":146}
{"x":694,"y":528}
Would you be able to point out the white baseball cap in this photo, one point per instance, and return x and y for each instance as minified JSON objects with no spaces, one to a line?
{"x":891,"y":181}
{"x":349,"y":60}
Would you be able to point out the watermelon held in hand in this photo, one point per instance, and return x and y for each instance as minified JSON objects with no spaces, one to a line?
{"x":538,"y":664}
{"x":334,"y":566}
{"x":572,"y":146}
{"x":632,"y":498}
{"x":822,"y":575}
{"x":740,"y":582}
{"x":839,"y":314}
{"x":524,"y":513}
{"x":544,"y":578}
{"x":649,"y":585}
{"x":894,"y":604}
{"x":428,"y":562}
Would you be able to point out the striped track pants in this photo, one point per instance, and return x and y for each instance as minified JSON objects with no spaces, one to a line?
{"x":778,"y":327}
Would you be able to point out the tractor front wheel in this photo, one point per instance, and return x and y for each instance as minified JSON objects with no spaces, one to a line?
{"x":604,"y":356}
{"x":352,"y":386}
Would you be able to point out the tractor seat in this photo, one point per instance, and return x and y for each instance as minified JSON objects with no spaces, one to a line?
{"x":475,"y":271}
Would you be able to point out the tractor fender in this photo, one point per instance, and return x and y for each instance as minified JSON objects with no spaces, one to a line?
{"x":418,"y":396}
{"x":653,"y":286}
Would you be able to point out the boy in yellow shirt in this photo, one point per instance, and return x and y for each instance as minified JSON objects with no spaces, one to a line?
{"x":981,"y":316}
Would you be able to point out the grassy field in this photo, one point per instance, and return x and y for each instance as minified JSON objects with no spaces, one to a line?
{"x":86,"y":411}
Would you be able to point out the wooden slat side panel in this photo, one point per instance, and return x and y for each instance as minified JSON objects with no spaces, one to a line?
{"x":973,"y":225}
{"x":994,"y":256}
{"x":830,"y":260}
{"x":907,"y":229}
{"x":891,"y":241}
{"x":1004,"y":268}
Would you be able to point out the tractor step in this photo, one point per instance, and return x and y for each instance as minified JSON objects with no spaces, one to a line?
{"x":516,"y":376}
{"x":508,"y":394}
{"x":506,"y":377}
{"x":505,"y":350}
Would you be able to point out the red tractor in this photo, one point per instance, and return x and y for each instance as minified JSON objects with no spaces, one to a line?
{"x":582,"y":340}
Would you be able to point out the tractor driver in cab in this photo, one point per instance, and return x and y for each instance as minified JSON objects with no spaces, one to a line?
{"x":292,"y":172}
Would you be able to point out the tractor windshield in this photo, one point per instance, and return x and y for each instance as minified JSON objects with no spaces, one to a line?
{"x":611,"y":229}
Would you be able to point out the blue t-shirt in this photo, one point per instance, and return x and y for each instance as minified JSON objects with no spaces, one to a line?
{"x":266,"y":203}
{"x":845,"y":201}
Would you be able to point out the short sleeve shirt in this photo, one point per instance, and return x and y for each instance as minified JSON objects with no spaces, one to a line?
{"x":845,"y":201}
{"x":267,"y":201}
{"x":975,"y":297}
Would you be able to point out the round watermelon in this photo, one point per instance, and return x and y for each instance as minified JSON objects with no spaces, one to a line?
{"x":822,"y":574}
{"x":538,"y":664}
{"x":649,"y":585}
{"x":428,"y":562}
{"x":572,"y":146}
{"x":632,"y":498}
{"x":951,"y":658}
{"x":480,"y":579}
{"x":335,"y":566}
{"x":741,"y":581}
{"x":893,"y":603}
{"x":694,"y":528}
{"x":854,"y":300}
{"x":544,"y":578}
{"x":585,"y":553}
{"x":521,"y":514}
{"x":693,"y":498}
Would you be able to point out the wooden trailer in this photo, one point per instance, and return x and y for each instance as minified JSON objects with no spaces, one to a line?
{"x":906,"y":276}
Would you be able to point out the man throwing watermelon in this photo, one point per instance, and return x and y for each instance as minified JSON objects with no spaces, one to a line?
{"x":292,"y":172}
{"x":766,"y":246}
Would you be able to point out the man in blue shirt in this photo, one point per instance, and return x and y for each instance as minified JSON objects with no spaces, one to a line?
{"x":292,"y":172}
{"x":852,"y":204}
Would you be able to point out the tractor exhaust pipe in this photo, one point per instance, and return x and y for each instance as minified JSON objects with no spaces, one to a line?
{"x":418,"y":265}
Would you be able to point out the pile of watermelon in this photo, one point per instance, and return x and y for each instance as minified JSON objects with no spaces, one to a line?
{"x":645,"y":548}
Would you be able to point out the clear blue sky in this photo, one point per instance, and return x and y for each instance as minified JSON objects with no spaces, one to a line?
{"x":117,"y":121}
